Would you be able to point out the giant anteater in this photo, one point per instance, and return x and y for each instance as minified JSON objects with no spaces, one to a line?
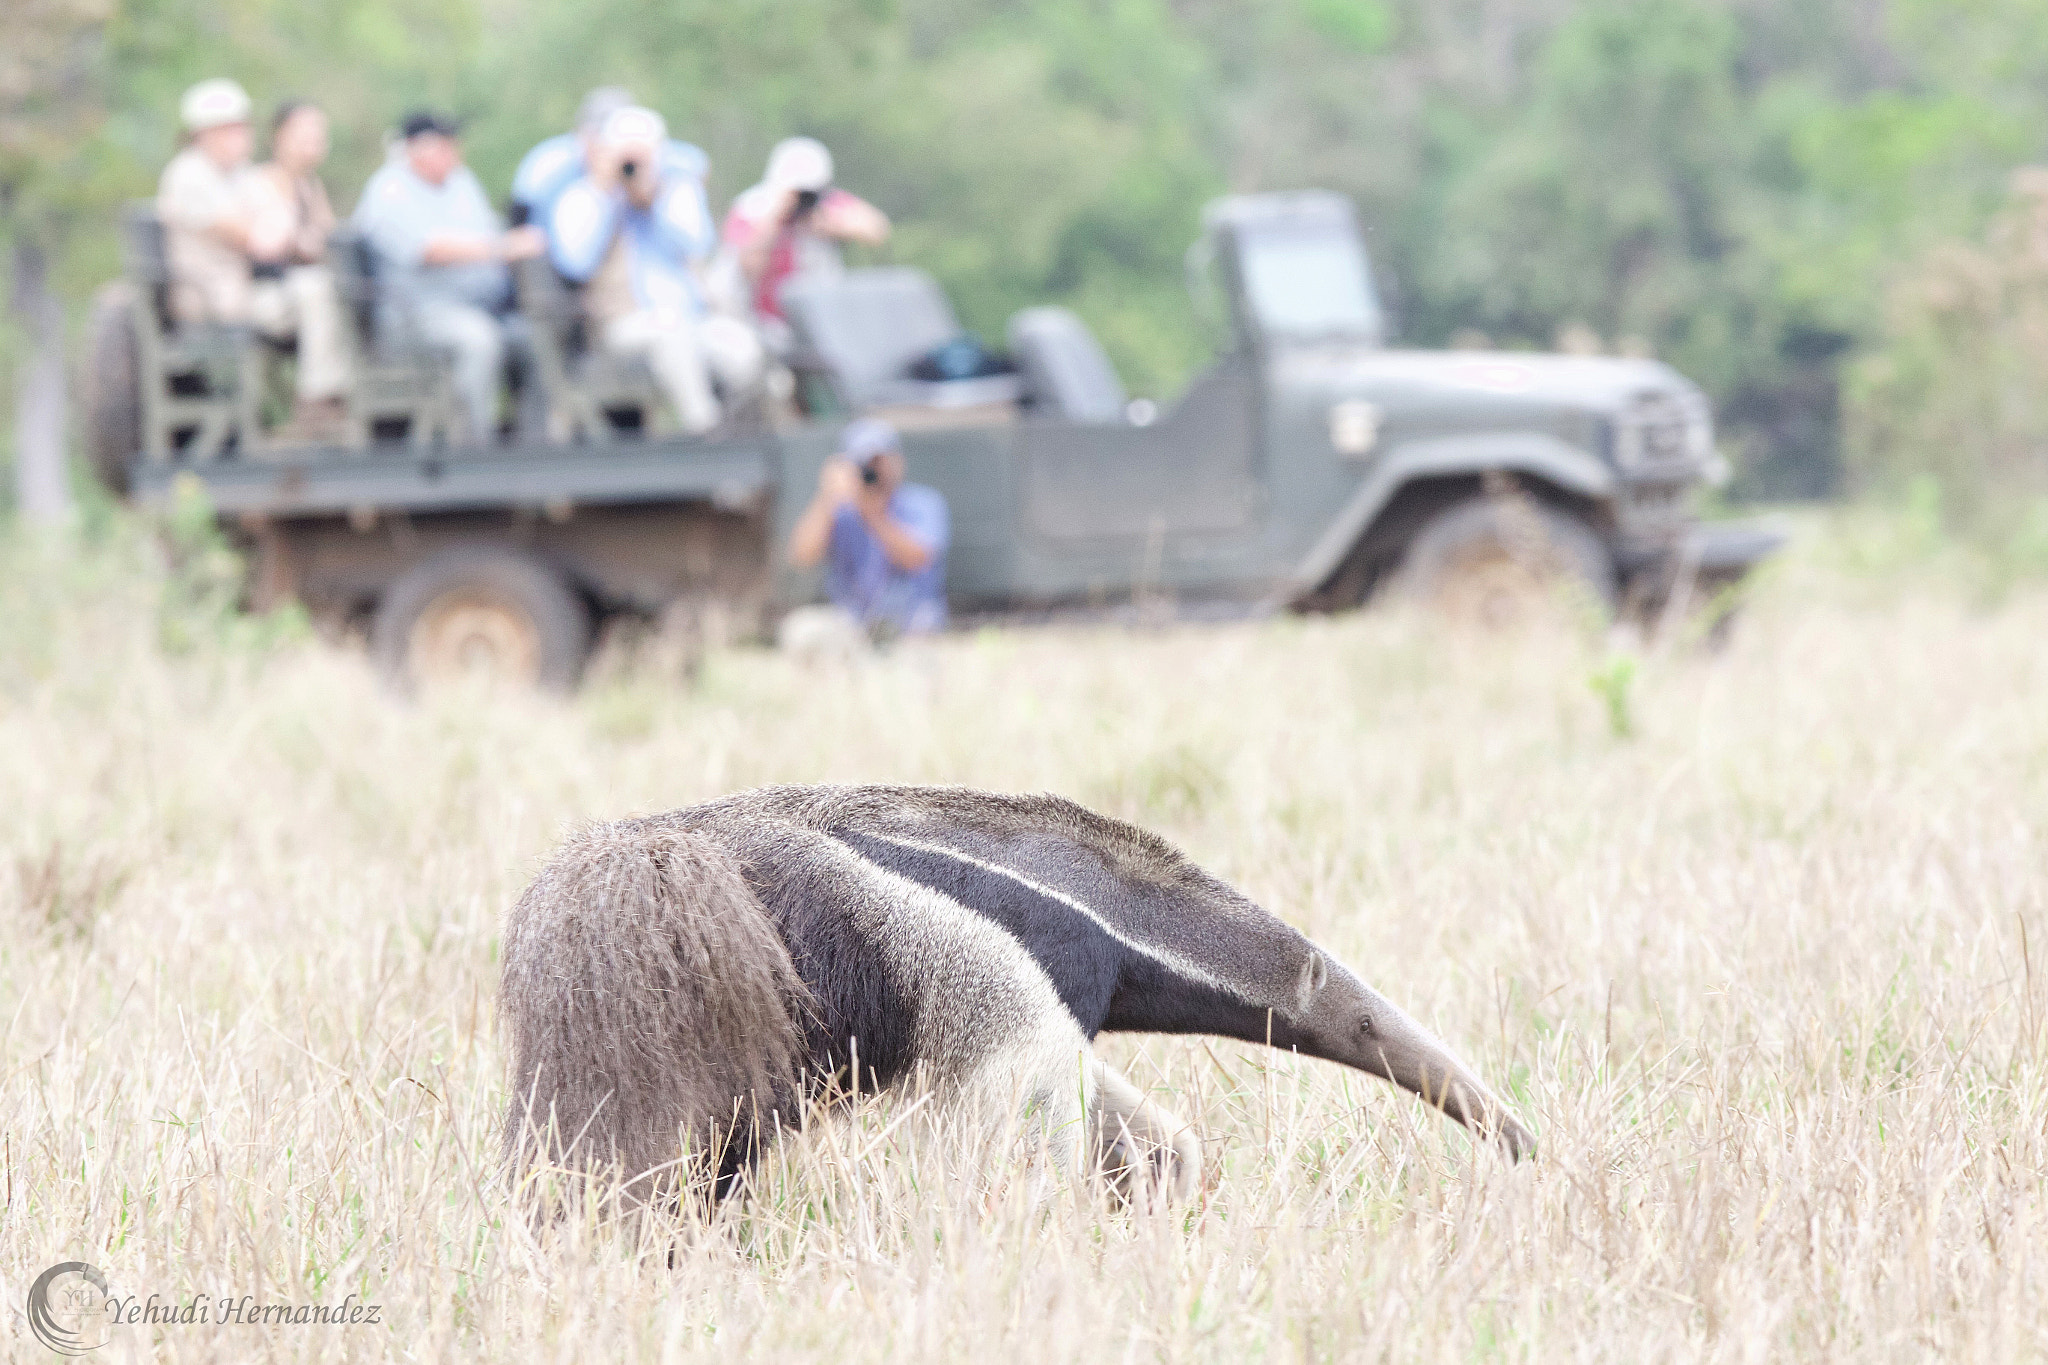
{"x":682,"y":982}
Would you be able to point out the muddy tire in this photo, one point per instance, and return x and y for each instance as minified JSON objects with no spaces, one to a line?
{"x":113,"y":386}
{"x":481,"y":613}
{"x":1501,"y":562}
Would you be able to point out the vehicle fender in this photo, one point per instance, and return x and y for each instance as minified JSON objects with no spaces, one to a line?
{"x":1537,"y":454}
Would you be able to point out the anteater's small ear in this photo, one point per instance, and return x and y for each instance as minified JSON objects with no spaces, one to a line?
{"x":1314,"y":973}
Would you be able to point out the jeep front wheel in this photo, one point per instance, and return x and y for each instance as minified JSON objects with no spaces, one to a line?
{"x":1502,"y":562}
{"x":485,"y":614}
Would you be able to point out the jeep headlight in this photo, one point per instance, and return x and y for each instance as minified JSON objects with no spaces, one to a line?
{"x":1662,"y":430}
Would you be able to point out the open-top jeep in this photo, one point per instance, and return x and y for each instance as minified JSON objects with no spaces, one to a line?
{"x":1307,"y":467}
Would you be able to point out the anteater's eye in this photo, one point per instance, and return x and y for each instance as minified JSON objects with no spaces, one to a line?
{"x":1365,"y":1024}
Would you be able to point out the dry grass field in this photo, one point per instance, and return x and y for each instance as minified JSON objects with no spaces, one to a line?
{"x":1768,"y":975}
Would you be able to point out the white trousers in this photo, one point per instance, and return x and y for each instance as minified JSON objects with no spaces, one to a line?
{"x":304,"y":304}
{"x":685,"y":354}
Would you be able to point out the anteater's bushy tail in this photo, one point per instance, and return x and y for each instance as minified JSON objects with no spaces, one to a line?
{"x":651,"y":1007}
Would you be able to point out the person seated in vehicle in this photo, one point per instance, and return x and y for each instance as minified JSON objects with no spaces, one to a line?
{"x":442,"y":257}
{"x":790,"y":225}
{"x":244,"y":244}
{"x":292,"y":222}
{"x":633,"y":228}
{"x":560,"y":161}
{"x":882,"y":541}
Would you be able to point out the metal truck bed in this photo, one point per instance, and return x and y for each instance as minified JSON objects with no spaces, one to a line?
{"x":336,"y":481}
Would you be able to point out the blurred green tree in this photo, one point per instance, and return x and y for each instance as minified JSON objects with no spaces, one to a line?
{"x":88,"y":115}
{"x":1057,"y":151}
{"x":1732,"y":184}
{"x":1956,"y":397}
{"x":50,"y":106}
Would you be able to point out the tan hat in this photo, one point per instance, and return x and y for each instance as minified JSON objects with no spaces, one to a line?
{"x":213,"y":104}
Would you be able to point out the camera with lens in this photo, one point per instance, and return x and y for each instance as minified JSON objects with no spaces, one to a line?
{"x":629,"y":168}
{"x":870,"y":475}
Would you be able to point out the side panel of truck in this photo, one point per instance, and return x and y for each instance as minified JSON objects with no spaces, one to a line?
{"x":973,"y":465}
{"x":1179,"y":506}
{"x":636,"y":558}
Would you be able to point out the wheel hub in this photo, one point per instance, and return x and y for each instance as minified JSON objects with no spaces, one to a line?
{"x":466,"y":634}
{"x":1497,"y":588}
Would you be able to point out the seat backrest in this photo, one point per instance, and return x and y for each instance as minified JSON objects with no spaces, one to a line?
{"x":553,"y":310}
{"x":353,"y":262}
{"x":546,"y":300}
{"x":869,"y":325}
{"x":145,"y":259}
{"x":1065,"y":371}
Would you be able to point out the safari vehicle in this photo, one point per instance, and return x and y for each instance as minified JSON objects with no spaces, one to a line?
{"x":1308,"y":467}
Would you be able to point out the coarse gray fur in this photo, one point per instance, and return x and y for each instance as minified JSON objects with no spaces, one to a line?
{"x":647,"y":1000}
{"x":982,"y":940}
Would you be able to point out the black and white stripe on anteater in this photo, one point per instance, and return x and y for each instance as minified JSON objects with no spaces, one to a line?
{"x":663,"y":974}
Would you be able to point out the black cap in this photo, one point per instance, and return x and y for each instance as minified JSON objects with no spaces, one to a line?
{"x":427,"y":121}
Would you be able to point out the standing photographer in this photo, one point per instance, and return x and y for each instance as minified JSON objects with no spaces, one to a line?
{"x":883,"y":541}
{"x":788,"y":224}
{"x":633,"y":228}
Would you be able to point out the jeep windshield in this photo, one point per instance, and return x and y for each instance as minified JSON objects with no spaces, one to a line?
{"x":1307,"y":282}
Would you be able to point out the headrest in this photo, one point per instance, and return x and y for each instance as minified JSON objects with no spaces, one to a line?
{"x":599,"y":105}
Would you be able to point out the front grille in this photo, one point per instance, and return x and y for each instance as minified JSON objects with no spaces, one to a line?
{"x":1663,"y":430}
{"x":1656,"y":503}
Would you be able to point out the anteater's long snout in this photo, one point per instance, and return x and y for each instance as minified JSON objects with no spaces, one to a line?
{"x":1358,"y":1026}
{"x":1407,"y":1054}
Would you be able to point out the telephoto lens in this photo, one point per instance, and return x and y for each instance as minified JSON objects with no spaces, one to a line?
{"x":629,"y":169}
{"x":870,"y":475}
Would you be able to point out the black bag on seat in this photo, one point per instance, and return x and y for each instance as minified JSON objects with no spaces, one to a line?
{"x":964,"y":357}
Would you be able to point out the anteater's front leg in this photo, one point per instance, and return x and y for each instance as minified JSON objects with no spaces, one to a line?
{"x":1149,"y":1154}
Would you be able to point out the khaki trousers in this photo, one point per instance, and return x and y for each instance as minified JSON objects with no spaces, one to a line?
{"x":304,"y":304}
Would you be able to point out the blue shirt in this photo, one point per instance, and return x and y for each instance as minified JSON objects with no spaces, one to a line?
{"x":400,"y":213}
{"x":661,"y":242}
{"x":557,"y":163}
{"x":860,"y":578}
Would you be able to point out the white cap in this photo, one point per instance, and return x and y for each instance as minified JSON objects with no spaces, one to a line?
{"x":213,"y":104}
{"x":631,"y":127}
{"x":799,"y":163}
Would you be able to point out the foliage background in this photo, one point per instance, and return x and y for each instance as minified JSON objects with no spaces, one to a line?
{"x":1739,"y":186}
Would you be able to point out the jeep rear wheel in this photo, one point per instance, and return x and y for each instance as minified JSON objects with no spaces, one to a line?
{"x":113,"y":387}
{"x":480,"y":613}
{"x":1504,"y":562}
